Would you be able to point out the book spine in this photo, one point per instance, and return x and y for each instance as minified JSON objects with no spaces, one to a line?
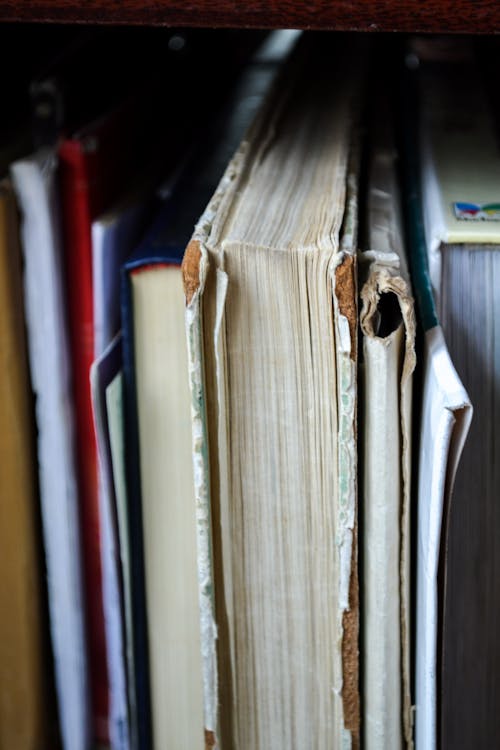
{"x":34,"y":181}
{"x":78,"y":257}
{"x":194,"y":269}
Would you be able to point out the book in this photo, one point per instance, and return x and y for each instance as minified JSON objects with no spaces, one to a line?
{"x":387,"y":323}
{"x":34,"y":180}
{"x":102,"y":373}
{"x":442,"y":428}
{"x":158,"y":433}
{"x":168,"y":517}
{"x":92,"y":166}
{"x":114,"y":234}
{"x":270,"y":286}
{"x":25,"y":714}
{"x":116,"y":426}
{"x":460,"y":183}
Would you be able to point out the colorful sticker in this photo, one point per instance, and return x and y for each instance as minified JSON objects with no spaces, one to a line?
{"x":477,"y":211}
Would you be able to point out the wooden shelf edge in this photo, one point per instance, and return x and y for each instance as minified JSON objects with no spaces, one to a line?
{"x":446,"y":16}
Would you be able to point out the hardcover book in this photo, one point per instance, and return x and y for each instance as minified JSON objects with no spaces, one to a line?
{"x":270,"y":285}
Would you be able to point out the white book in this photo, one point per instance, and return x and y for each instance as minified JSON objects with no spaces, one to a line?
{"x":34,"y":181}
{"x":445,"y":421}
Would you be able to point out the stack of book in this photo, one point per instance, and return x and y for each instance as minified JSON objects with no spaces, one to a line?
{"x":245,"y":434}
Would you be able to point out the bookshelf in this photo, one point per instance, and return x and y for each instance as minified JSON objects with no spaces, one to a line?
{"x":404,"y":16}
{"x":432,"y":16}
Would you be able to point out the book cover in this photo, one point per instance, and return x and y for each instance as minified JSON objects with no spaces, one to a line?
{"x":149,"y":255}
{"x":34,"y":179}
{"x":92,"y":166}
{"x":115,"y":234}
{"x":115,"y":416}
{"x":102,"y":372}
{"x":25,"y":710}
{"x":388,"y":329}
{"x":145,"y":256}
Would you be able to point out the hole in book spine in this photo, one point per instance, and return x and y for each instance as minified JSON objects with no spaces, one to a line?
{"x":388,"y":317}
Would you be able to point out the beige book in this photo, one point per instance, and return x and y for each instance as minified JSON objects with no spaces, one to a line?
{"x":270,"y":286}
{"x":388,"y":337}
{"x":24,"y":704}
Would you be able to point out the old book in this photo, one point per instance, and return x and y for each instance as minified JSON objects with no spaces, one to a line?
{"x":24,"y":708}
{"x":270,"y":284}
{"x":158,"y":404}
{"x":387,"y":322}
{"x":460,"y":194}
{"x":34,"y":179}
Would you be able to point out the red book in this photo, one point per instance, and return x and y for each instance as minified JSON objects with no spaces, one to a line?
{"x":93,"y":166}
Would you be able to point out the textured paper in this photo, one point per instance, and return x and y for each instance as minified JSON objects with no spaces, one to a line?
{"x":230,"y":295}
{"x":168,"y":506}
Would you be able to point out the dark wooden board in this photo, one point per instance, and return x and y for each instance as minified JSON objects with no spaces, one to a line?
{"x":455,"y":16}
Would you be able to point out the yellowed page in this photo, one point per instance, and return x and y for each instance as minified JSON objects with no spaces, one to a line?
{"x":168,"y":507}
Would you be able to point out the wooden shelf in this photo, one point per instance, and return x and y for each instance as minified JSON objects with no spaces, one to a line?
{"x":450,"y":16}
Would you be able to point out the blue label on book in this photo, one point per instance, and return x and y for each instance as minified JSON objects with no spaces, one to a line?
{"x":477,"y":211}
